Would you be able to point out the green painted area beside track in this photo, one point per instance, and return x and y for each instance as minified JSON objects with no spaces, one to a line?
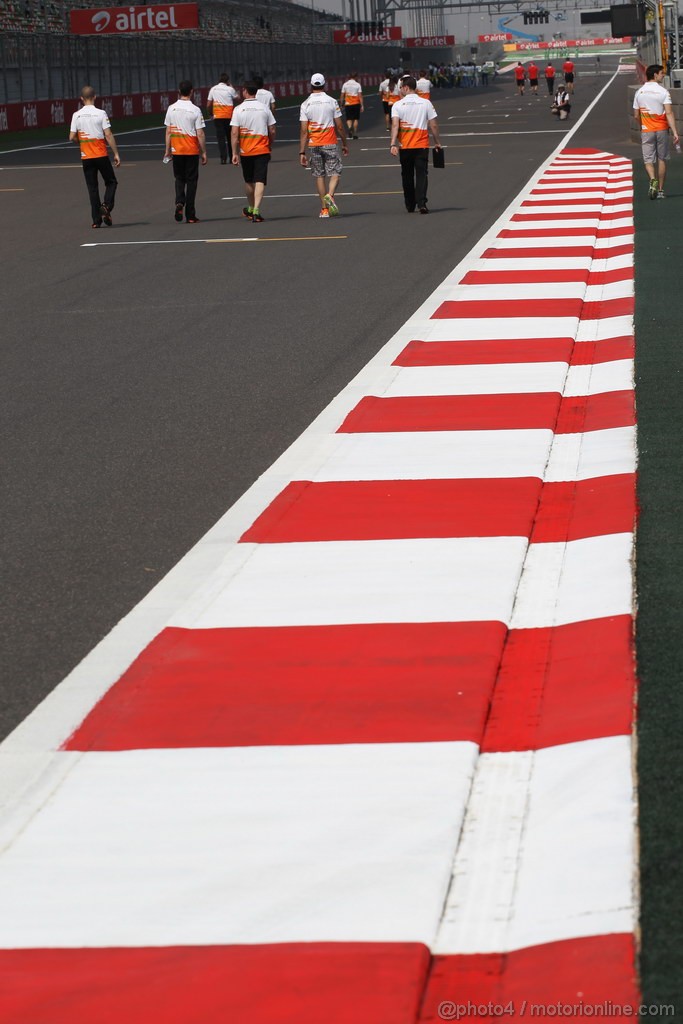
{"x":659,"y":387}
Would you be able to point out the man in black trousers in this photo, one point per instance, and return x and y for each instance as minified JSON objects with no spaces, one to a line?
{"x":90,"y":127}
{"x":186,"y":142}
{"x":412,"y":119}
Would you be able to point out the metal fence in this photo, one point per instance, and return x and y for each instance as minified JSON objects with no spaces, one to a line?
{"x":42,"y":66}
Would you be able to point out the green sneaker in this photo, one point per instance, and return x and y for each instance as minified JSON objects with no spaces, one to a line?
{"x":654,"y":188}
{"x":331,"y":205}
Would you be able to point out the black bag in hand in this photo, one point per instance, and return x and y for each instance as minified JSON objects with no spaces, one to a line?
{"x":438,"y":158}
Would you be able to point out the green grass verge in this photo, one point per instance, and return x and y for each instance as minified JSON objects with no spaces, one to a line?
{"x":659,"y":381}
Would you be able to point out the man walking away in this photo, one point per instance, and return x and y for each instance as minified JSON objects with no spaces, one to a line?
{"x":533,"y":77}
{"x":253,"y":131}
{"x":321,"y":125}
{"x":352,"y":102}
{"x":424,"y":86}
{"x":412,"y":118}
{"x":550,"y":79}
{"x":383,"y":94}
{"x":220,"y":104}
{"x":264,"y":96}
{"x":520,"y":75}
{"x":652,"y":105}
{"x":90,"y":127}
{"x":568,"y":71}
{"x":186,"y":142}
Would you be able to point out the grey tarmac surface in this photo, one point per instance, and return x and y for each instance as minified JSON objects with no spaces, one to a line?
{"x":145,"y":387}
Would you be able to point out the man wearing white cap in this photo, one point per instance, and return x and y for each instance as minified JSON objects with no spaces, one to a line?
{"x":320,"y":123}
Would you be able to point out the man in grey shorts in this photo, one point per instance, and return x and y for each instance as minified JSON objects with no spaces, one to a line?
{"x":321,"y":128}
{"x":652,"y":105}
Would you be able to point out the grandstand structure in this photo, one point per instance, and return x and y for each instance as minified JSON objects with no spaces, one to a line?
{"x":278,"y":39}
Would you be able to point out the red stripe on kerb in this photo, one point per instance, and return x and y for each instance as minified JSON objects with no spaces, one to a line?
{"x":574,"y":509}
{"x":565,"y":233}
{"x":479,"y":353}
{"x":289,"y":983}
{"x":586,"y":201}
{"x":569,"y":189}
{"x":395,"y":509}
{"x":594,"y":971}
{"x":586,"y":353}
{"x":454,"y":412}
{"x":476,"y":277}
{"x":300,"y":685}
{"x":596,"y":412}
{"x":535,"y":411}
{"x":541,"y":252}
{"x":610,"y":276}
{"x":564,"y":216}
{"x":564,"y":684}
{"x":608,"y":307}
{"x":506,"y":308}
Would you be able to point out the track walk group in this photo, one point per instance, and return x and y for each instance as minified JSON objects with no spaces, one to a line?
{"x":245,"y":131}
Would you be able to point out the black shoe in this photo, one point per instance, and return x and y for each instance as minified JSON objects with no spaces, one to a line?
{"x":246,"y":213}
{"x":223,"y":160}
{"x":178,"y":212}
{"x":192,"y":220}
{"x":106,"y":214}
{"x":423,"y":209}
{"x":410,"y":209}
{"x":257,"y":218}
{"x":97,"y":224}
{"x":355,"y":136}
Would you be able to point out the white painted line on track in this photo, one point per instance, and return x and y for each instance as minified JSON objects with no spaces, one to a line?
{"x":314,"y":195}
{"x":214,"y":241}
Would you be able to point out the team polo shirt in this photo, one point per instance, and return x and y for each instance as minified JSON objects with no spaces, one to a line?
{"x":413,"y":115}
{"x":384,"y":89}
{"x":550,"y":71}
{"x":352,"y":92}
{"x":90,"y":124}
{"x":394,"y":95}
{"x":568,"y":67}
{"x":185,"y":120}
{"x":253,"y":121}
{"x":265,"y":96}
{"x":533,"y":71}
{"x":650,"y":100}
{"x":223,"y":98}
{"x":520,"y":74}
{"x":424,"y":88}
{"x":320,"y":110}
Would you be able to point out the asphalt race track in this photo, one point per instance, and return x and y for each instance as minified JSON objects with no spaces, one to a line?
{"x":146,"y":386}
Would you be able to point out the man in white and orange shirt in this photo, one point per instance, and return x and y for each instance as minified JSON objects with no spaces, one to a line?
{"x":220,"y":103}
{"x":652,"y":105}
{"x":186,"y":143}
{"x":90,"y":127}
{"x":424,"y":86}
{"x":352,"y":101}
{"x":253,"y":131}
{"x":320,"y":125}
{"x":412,"y":118}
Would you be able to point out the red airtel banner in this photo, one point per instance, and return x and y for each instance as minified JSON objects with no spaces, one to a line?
{"x":496,"y":37}
{"x":120,"y":20}
{"x":342,"y":35}
{"x":430,"y":41}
